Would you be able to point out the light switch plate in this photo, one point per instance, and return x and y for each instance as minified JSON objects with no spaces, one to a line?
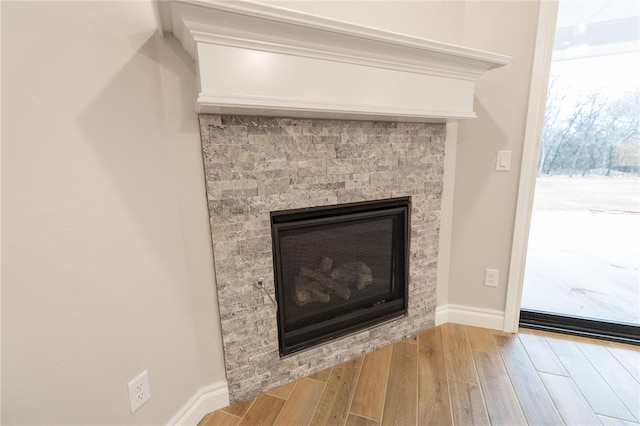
{"x":503,"y":161}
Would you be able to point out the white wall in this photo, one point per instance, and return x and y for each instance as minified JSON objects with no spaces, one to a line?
{"x":106,"y":267}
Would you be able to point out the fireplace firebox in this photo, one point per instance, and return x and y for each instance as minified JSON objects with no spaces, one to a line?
{"x":339,"y":269}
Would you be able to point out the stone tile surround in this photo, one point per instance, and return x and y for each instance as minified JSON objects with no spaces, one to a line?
{"x":255,"y":165}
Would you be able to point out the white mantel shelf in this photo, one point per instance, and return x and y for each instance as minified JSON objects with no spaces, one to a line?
{"x":258,"y":59}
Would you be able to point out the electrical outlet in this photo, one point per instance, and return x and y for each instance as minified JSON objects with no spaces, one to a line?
{"x":491,"y":277}
{"x":139,"y":391}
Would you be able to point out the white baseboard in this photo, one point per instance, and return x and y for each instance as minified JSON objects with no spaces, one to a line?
{"x":205,"y":400}
{"x":469,"y":315}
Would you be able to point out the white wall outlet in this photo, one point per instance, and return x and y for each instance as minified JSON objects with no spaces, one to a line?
{"x":491,"y":277}
{"x":139,"y":391}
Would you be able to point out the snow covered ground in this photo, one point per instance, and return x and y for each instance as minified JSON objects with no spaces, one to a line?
{"x":584,"y":249}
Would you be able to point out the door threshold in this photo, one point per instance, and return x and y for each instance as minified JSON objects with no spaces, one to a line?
{"x":584,"y":327}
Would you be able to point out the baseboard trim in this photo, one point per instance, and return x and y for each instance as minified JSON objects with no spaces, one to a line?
{"x":469,"y":315}
{"x":206,"y":399}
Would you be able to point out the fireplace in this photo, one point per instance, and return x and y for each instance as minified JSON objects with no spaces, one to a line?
{"x":295,"y":174}
{"x":304,"y":112}
{"x":339,"y":269}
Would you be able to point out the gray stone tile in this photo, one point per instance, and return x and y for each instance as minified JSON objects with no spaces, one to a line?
{"x":255,"y":165}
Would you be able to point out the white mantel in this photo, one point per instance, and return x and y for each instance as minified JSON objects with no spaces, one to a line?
{"x":258,"y":59}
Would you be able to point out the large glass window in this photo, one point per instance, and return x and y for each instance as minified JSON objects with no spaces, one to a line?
{"x":584,"y":246}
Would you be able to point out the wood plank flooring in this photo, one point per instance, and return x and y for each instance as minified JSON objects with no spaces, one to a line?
{"x":460,"y":375}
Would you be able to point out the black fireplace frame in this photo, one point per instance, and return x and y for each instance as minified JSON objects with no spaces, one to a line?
{"x":365,"y":314}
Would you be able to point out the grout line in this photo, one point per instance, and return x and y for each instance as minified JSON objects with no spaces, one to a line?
{"x":365,"y":417}
{"x":554,"y":374}
{"x":446,"y":372}
{"x":553,"y":400}
{"x":506,"y":372}
{"x":616,"y":418}
{"x":606,"y":349}
{"x":495,"y":345}
{"x":606,"y":382}
{"x":609,"y":349}
{"x":356,"y":385}
{"x":386,"y":385}
{"x":273,"y":396}
{"x":569,"y":376}
{"x":475,"y":369}
{"x":546,"y":342}
{"x":324,"y":389}
{"x":544,"y":336}
{"x":250,"y":407}
{"x":232,"y":415}
{"x":286,"y":401}
{"x":417,"y":398}
{"x":445,"y":348}
{"x":464,"y":381}
{"x":353,"y":391}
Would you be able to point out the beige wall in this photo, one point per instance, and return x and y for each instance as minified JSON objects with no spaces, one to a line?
{"x":441,"y":20}
{"x":106,"y":267}
{"x":485,"y":200}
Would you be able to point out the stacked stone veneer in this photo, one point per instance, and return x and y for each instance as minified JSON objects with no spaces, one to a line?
{"x":257,"y":165}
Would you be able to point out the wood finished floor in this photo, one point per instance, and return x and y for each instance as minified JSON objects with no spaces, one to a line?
{"x":461,"y":375}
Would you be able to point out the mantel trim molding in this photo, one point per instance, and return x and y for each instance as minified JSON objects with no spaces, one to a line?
{"x":254,"y":58}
